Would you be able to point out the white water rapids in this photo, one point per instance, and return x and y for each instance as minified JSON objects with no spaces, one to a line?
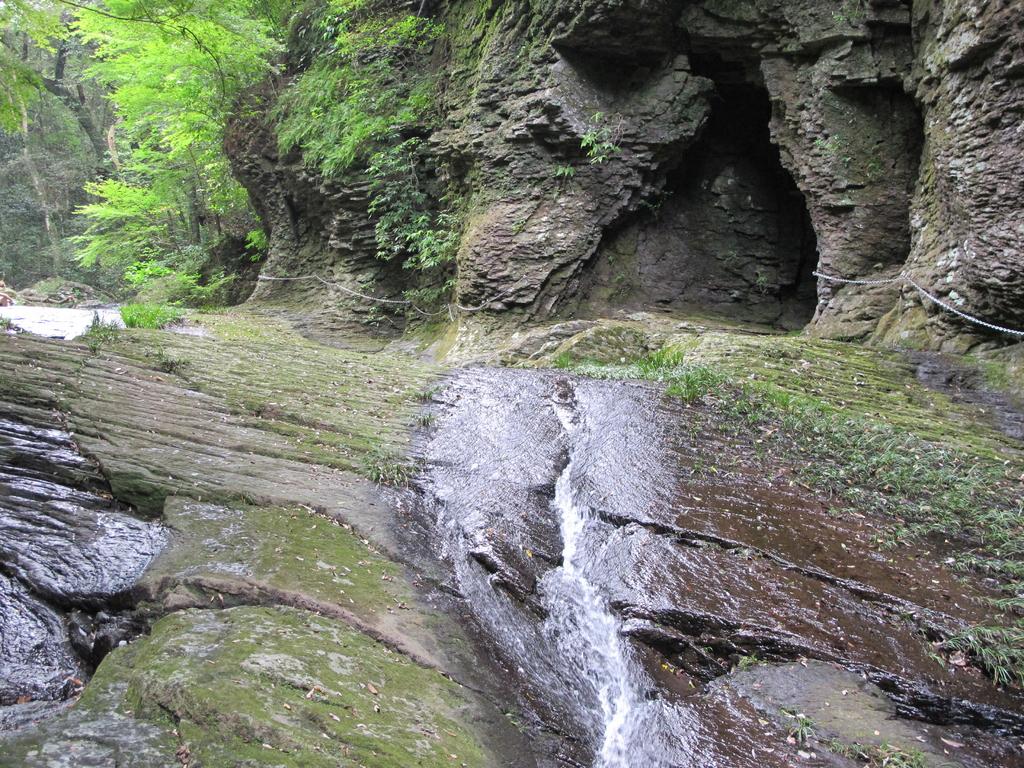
{"x":586,"y":612}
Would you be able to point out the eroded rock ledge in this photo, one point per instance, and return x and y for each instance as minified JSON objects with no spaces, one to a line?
{"x":757,"y":141}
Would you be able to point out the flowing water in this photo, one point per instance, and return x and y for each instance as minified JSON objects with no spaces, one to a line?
{"x":59,"y":322}
{"x":617,"y":595}
{"x":581,"y":608}
{"x":517,"y":472}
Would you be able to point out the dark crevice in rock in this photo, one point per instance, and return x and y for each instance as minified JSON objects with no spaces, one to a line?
{"x":69,"y":555}
{"x":708,"y":647}
{"x":731,"y":230}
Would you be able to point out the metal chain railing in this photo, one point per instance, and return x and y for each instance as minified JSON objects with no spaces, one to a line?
{"x":903,"y":278}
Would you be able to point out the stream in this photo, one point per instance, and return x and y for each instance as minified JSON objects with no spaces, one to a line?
{"x":59,"y":322}
{"x":619,"y":590}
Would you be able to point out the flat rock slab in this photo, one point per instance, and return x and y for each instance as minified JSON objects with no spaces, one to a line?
{"x":841,"y":706}
{"x":287,"y":556}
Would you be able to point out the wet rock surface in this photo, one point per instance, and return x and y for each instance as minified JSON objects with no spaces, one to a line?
{"x":840,"y":706}
{"x":283,"y":629}
{"x":68,"y":555}
{"x":694,"y":574}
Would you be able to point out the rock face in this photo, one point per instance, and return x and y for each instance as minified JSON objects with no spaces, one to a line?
{"x":748,"y":144}
{"x":68,"y":554}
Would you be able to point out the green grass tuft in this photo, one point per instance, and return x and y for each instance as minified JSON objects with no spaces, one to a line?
{"x":150,"y":315}
{"x":386,"y":467}
{"x":997,"y":650}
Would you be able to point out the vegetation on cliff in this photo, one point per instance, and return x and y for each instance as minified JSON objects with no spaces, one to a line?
{"x":138,"y":95}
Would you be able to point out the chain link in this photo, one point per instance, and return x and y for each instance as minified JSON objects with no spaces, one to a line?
{"x":903,"y":278}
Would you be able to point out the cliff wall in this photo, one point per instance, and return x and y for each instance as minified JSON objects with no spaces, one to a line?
{"x":746,"y":145}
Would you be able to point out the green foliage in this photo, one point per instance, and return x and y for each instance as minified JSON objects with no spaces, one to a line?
{"x":564,"y":172}
{"x":600,"y":142}
{"x":100,"y":334}
{"x":20,"y":84}
{"x":367,"y":83}
{"x":128,"y":224}
{"x":999,"y":650}
{"x":386,"y":467}
{"x":150,"y":315}
{"x":257,"y":244}
{"x":174,"y":69}
{"x":407,"y":227}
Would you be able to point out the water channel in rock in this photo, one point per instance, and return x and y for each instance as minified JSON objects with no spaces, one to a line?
{"x":620,"y":590}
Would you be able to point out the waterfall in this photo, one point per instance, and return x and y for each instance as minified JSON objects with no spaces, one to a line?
{"x":585,"y":619}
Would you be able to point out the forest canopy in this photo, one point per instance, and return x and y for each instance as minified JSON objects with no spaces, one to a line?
{"x":134,"y":96}
{"x":115,"y":113}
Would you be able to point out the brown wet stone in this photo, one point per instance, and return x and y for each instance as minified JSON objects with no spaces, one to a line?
{"x":845,"y":707}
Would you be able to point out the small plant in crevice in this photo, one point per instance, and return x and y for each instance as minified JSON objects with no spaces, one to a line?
{"x":748,"y":662}
{"x":386,"y":467}
{"x":167,"y":364}
{"x":564,"y":172}
{"x":801,"y":727}
{"x":428,"y":394}
{"x":600,"y":141}
{"x":852,"y":12}
{"x":761,"y":283}
{"x":834,"y":147}
{"x":100,"y":334}
{"x":563,"y":175}
{"x":999,"y":650}
{"x":426,"y":419}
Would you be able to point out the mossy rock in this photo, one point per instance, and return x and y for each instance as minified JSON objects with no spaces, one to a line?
{"x":281,"y":687}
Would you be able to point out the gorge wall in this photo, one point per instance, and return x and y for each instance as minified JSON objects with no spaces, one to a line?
{"x":750,"y":143}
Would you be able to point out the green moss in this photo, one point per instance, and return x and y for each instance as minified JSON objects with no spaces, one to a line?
{"x":335,"y":406}
{"x":282,"y":687}
{"x":279,"y":551}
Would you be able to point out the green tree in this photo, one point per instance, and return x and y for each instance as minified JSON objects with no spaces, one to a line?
{"x":173,"y":70}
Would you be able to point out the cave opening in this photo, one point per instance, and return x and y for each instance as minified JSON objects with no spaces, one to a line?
{"x":736,"y":235}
